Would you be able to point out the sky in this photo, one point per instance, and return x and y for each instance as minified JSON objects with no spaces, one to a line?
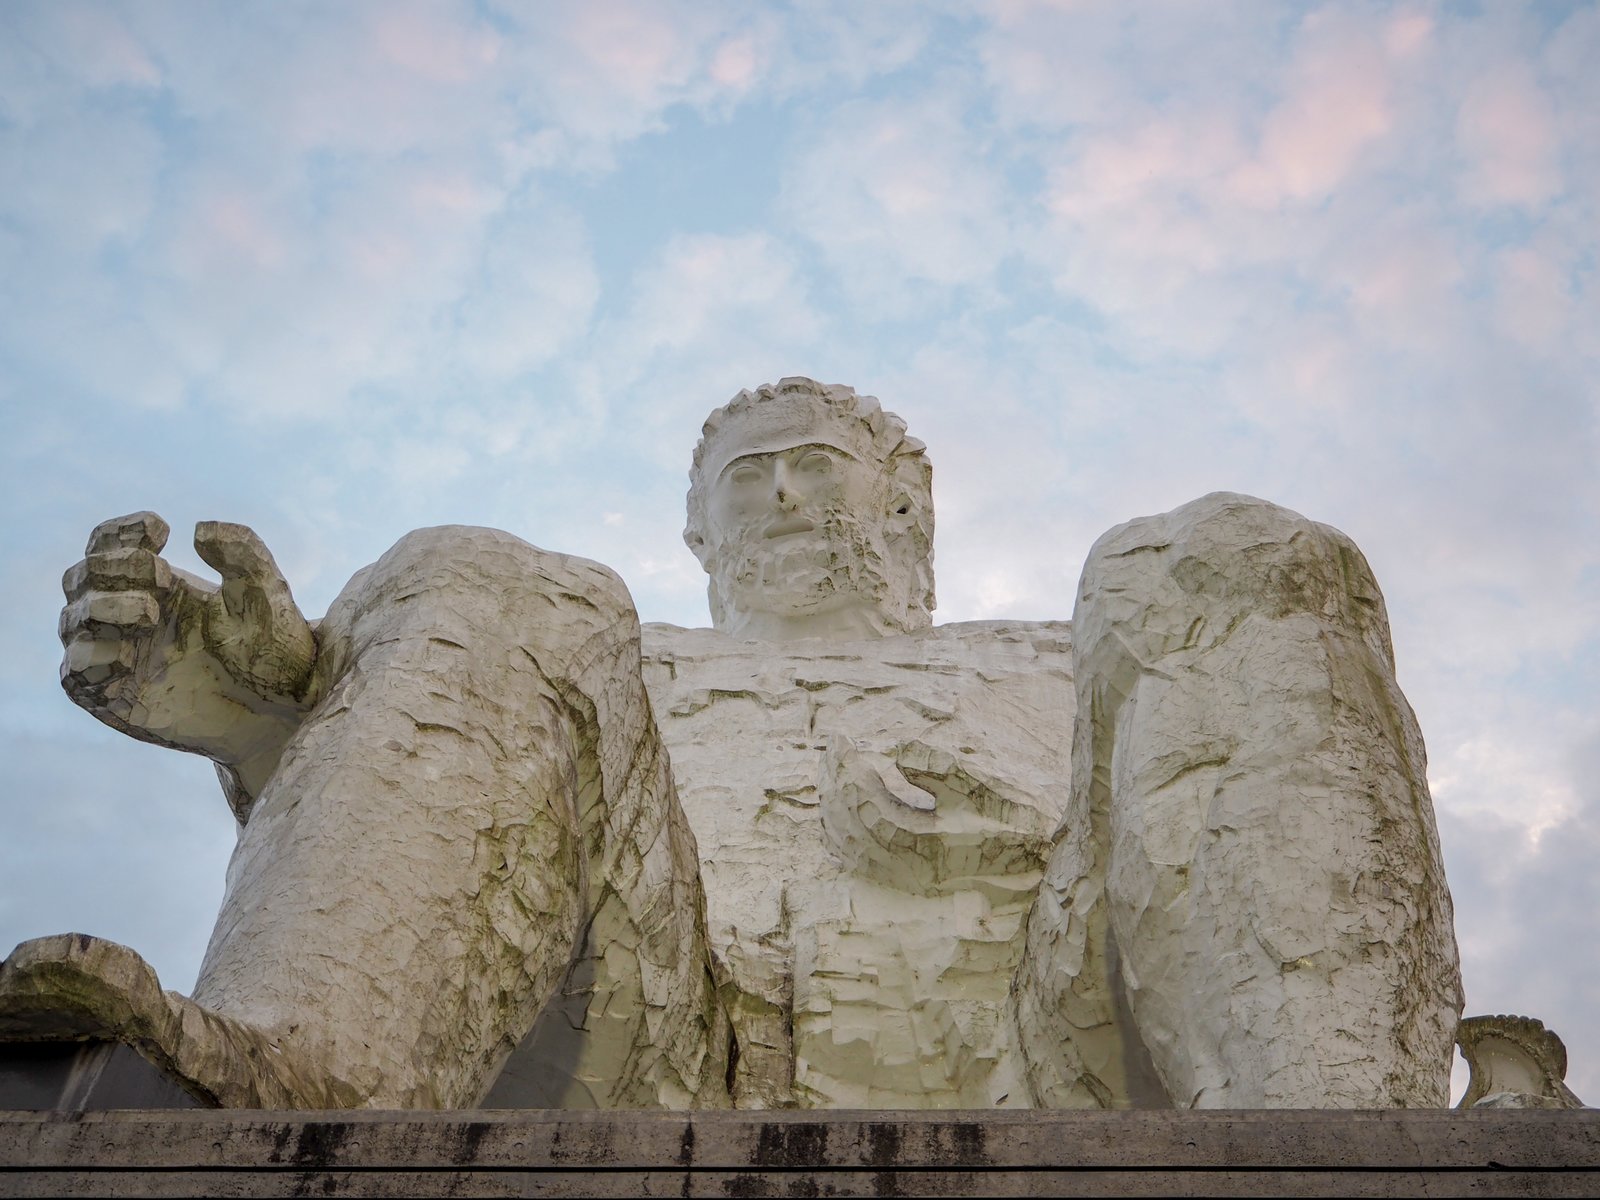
{"x":341,"y":271}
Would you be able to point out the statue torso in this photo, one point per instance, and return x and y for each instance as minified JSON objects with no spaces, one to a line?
{"x":872,"y":819}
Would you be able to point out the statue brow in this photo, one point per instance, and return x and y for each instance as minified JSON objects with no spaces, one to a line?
{"x":759,"y":455}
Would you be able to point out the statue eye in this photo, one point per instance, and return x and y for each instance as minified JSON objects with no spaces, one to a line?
{"x":818,"y":462}
{"x":746,"y":475}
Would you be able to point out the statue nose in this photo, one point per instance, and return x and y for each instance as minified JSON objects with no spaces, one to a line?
{"x":783,"y":488}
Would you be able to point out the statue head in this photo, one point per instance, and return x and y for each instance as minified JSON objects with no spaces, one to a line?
{"x":812,"y":512}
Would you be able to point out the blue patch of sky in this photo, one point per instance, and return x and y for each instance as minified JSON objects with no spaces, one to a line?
{"x":1503,"y":227}
{"x":1568,"y":680}
{"x":698,"y":175}
{"x":1549,"y":14}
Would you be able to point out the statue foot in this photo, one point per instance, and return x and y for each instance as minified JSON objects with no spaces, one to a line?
{"x":74,"y":988}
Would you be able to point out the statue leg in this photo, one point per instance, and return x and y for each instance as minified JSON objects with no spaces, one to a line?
{"x":1263,"y":855}
{"x":481,"y":783}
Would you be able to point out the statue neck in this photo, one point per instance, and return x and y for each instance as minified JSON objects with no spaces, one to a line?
{"x":852,"y":622}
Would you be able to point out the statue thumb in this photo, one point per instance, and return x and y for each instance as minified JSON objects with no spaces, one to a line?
{"x":242,"y":559}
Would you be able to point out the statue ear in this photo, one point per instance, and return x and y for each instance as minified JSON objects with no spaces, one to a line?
{"x":696,"y":542}
{"x":902,"y":515}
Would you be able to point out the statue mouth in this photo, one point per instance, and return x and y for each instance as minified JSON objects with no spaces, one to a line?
{"x":784,"y":526}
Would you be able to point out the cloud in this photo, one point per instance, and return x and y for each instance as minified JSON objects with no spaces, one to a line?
{"x":279,"y":223}
{"x":1521,"y":906}
{"x":534,"y":292}
{"x":1533,"y":298}
{"x":1506,"y":130}
{"x":1024,"y":44}
{"x":707,"y":314}
{"x":1336,"y":105}
{"x":601,"y":73}
{"x":899,"y":198}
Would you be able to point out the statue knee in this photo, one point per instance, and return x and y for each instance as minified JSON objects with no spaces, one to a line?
{"x":463,"y":584}
{"x":1178,"y":581}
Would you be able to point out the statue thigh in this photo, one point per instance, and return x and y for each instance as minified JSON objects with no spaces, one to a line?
{"x":414,"y":880}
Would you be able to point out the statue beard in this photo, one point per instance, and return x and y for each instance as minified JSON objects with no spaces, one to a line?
{"x":843,"y":558}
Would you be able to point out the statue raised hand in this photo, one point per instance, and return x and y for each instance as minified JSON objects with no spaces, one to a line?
{"x":159,"y":654}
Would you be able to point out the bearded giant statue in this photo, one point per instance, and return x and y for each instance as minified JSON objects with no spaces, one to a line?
{"x":497,"y":844}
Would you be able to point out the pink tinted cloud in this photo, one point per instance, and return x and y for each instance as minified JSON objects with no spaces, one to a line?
{"x":1411,"y":269}
{"x":1532,"y":299}
{"x":632,"y":46}
{"x":430,"y":42}
{"x":735,"y":63}
{"x":1506,"y":132}
{"x":1408,"y":33}
{"x":453,"y":192}
{"x":1025,"y":47}
{"x":104,"y":52}
{"x":1122,"y":166}
{"x":1338,"y":104}
{"x":234,"y":230}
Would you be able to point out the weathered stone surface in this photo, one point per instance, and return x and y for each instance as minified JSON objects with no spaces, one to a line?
{"x":460,"y":833}
{"x":71,"y":987}
{"x":812,"y":513}
{"x":171,"y":659}
{"x":1515,"y":1062}
{"x":1400,"y":1153}
{"x":475,"y":799}
{"x":872,"y":817}
{"x":1250,"y":832}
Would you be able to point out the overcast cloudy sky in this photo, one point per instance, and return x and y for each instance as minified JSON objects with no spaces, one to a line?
{"x":340,"y":270}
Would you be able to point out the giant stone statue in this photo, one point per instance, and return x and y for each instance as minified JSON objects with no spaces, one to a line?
{"x":494,"y":838}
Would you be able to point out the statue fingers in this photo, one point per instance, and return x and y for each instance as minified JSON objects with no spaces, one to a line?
{"x":256,"y":630}
{"x":122,"y":570}
{"x":104,"y":635}
{"x":109,"y":616}
{"x":116,"y":602}
{"x":136,"y":531}
{"x":237,"y":553}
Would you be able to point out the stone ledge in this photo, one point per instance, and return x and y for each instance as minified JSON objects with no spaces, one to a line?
{"x":546,"y":1153}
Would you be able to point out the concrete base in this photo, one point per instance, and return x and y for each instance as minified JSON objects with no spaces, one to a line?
{"x":536,"y":1153}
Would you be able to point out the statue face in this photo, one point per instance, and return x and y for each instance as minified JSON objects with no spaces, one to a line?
{"x":797,"y":532}
{"x":812,"y":511}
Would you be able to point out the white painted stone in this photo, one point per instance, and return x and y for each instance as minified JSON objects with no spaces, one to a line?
{"x":474,"y":797}
{"x":1516,"y":1063}
{"x":812,"y":513}
{"x":1254,"y":836}
{"x":456,"y":806}
{"x":873,"y":817}
{"x":180,"y":662}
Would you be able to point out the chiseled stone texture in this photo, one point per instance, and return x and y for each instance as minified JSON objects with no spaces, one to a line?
{"x":475,"y":800}
{"x":456,"y":803}
{"x":1257,"y":839}
{"x":1516,"y":1063}
{"x":873,"y":817}
{"x":477,"y":791}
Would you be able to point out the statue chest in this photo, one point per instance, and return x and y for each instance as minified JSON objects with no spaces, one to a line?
{"x":872,"y":818}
